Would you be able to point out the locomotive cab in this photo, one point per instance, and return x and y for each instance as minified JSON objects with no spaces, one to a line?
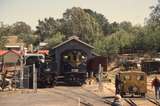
{"x":133,"y":83}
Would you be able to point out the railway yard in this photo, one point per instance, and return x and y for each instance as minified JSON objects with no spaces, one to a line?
{"x":68,"y":76}
{"x":86,"y":95}
{"x":95,"y":53}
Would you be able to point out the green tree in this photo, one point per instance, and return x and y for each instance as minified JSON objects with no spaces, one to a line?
{"x":20,"y":28}
{"x":102,"y":21}
{"x":55,"y":39}
{"x":151,"y":41}
{"x":113,"y":27}
{"x":106,"y":46}
{"x":154,"y":20}
{"x":28,"y":38}
{"x":23,"y":31}
{"x":3,"y":41}
{"x":78,"y":22}
{"x":47,"y":28}
{"x":4,"y":31}
{"x":123,"y":39}
{"x":127,"y":26}
{"x":100,"y":45}
{"x":152,"y":27}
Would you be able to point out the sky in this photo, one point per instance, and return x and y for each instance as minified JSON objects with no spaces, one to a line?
{"x":30,"y":11}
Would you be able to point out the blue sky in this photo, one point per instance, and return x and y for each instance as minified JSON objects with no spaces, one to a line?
{"x":30,"y":11}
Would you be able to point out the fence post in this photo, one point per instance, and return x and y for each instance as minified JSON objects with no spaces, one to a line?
{"x":79,"y":102}
{"x":34,"y":78}
{"x":21,"y":79}
{"x":100,"y":74}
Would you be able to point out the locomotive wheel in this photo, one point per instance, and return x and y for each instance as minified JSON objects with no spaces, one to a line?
{"x":54,"y":83}
{"x":143,"y":94}
{"x":80,"y":83}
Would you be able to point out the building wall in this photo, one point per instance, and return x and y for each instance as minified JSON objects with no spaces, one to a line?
{"x":11,"y":57}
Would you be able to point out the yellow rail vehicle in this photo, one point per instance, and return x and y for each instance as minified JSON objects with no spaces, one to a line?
{"x":133,"y":83}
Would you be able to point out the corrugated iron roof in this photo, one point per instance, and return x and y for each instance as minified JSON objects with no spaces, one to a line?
{"x":70,"y":39}
{"x":43,"y":52}
{"x":3,"y":52}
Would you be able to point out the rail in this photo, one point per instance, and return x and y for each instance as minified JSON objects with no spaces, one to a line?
{"x":153,"y":100}
{"x":82,"y":100}
{"x":107,"y":101}
{"x":86,"y":104}
{"x":130,"y":102}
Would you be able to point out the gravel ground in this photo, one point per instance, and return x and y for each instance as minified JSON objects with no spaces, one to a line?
{"x":67,"y":96}
{"x":58,"y":96}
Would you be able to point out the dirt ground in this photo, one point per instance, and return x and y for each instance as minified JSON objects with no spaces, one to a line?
{"x":58,"y":96}
{"x":69,"y":95}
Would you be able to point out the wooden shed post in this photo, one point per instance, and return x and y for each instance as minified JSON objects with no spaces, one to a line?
{"x":21,"y":71}
{"x":100,"y":76}
{"x":34,"y":78}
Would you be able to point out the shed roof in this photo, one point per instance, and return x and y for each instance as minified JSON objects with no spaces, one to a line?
{"x":75,"y":38}
{"x":132,"y":71}
{"x":42,"y":52}
{"x":4,"y":52}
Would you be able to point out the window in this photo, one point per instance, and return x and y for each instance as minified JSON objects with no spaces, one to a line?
{"x":140,"y":77}
{"x":127,"y":77}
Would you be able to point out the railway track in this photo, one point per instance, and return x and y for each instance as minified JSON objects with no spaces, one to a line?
{"x":86,"y":104}
{"x":88,"y":98}
{"x":84,"y":97}
{"x":130,"y":102}
{"x":153,"y":100}
{"x":82,"y":101}
{"x":147,"y":99}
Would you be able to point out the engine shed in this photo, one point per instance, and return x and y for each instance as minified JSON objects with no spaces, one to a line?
{"x":74,"y":49}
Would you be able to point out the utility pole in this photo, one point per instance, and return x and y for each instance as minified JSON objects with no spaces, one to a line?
{"x":21,"y":67}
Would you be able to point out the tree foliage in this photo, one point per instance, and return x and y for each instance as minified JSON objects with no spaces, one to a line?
{"x":78,"y":22}
{"x":154,"y":20}
{"x":102,"y":21}
{"x":152,"y":37}
{"x":20,"y":28}
{"x":46,"y":28}
{"x":4,"y":31}
{"x":55,"y":39}
{"x":3,"y":41}
{"x":93,"y":28}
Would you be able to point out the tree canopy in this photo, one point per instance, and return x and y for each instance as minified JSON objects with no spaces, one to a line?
{"x":93,"y":28}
